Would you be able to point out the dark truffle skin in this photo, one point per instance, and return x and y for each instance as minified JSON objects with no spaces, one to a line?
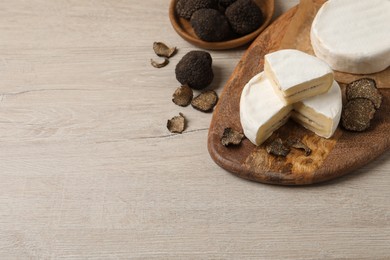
{"x":195,"y":69}
{"x":185,"y":8}
{"x":357,"y":114}
{"x":231,"y":137}
{"x":277,"y":148}
{"x":244,"y":16}
{"x":206,"y":101}
{"x":364,"y":88}
{"x":225,"y":3}
{"x":210,"y":25}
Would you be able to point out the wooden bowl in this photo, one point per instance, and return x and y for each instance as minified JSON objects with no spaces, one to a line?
{"x":184,"y":29}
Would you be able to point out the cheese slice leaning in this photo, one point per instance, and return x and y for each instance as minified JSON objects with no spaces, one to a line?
{"x":261,"y":110}
{"x":296,"y":75}
{"x":320,"y":114}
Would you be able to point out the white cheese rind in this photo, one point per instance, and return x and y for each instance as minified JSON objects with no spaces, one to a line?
{"x":353,"y":35}
{"x":261,"y":110}
{"x":320,"y":114}
{"x":296,"y":75}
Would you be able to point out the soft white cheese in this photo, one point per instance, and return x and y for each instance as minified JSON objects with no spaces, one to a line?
{"x":320,"y":114}
{"x":296,"y":75}
{"x":261,"y":110}
{"x":353,"y":35}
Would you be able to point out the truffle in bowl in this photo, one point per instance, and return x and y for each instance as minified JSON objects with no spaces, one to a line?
{"x":220,"y":24}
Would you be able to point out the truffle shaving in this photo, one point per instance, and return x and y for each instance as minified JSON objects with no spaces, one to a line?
{"x":162,"y":50}
{"x":206,"y":101}
{"x":159,"y":65}
{"x":231,"y":137}
{"x":364,"y":88}
{"x":183,"y":96}
{"x":176,"y":124}
{"x":277,"y":148}
{"x":297,"y":144}
{"x":357,"y":114}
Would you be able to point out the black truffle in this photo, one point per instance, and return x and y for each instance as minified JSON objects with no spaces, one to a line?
{"x":185,"y":8}
{"x":277,"y":148}
{"x":357,"y":114}
{"x":206,"y":101}
{"x":364,"y":88}
{"x":244,"y":16}
{"x":210,"y":25}
{"x":183,"y":96}
{"x":297,"y":144}
{"x":177,"y":124}
{"x":195,"y":69}
{"x":231,"y":137}
{"x":225,"y":3}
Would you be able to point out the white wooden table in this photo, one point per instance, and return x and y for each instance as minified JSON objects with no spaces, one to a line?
{"x":89,"y":170}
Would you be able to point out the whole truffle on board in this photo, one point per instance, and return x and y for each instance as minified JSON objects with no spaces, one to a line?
{"x":210,"y":25}
{"x":185,"y":8}
{"x":195,"y":69}
{"x":244,"y":16}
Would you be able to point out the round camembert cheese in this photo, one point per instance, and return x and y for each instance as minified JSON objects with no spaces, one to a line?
{"x":296,"y":75}
{"x":353,"y":35}
{"x":261,"y":110}
{"x":320,"y":114}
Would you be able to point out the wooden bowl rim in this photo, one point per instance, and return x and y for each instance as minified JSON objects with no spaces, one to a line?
{"x":224,"y":45}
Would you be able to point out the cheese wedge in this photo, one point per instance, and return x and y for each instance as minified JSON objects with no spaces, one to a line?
{"x":261,"y":110}
{"x":320,"y":114}
{"x":296,"y":75}
{"x":353,"y":35}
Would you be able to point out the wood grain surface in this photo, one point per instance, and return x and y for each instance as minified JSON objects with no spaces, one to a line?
{"x":330,"y":158}
{"x":89,"y":170}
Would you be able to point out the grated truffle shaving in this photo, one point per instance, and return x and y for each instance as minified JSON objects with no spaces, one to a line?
{"x":159,"y":65}
{"x":206,"y":101}
{"x":277,"y":148}
{"x":176,"y":124}
{"x":364,"y":88}
{"x":183,"y":96}
{"x":357,"y":114}
{"x":231,"y":137}
{"x":297,"y":144}
{"x":162,"y":50}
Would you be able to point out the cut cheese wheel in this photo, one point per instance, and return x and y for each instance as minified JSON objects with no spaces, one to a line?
{"x":320,"y":114}
{"x":353,"y":35}
{"x":261,"y":110}
{"x":296,"y":75}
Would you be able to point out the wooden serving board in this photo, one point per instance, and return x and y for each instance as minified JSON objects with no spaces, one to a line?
{"x":330,"y":158}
